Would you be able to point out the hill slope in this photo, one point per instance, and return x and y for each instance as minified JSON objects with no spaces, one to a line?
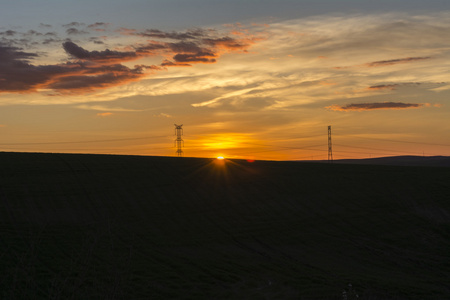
{"x":99,"y":226}
{"x":425,"y":161}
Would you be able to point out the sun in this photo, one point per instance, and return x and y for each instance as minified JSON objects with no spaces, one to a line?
{"x":220,"y":157}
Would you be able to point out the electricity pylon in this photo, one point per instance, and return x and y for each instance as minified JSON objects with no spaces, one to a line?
{"x":330,"y":150}
{"x":179,"y":141}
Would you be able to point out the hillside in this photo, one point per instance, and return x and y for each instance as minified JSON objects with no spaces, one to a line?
{"x":430,"y":161}
{"x":76,"y":226}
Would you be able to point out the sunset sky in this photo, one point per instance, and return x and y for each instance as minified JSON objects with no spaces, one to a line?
{"x":247,"y":79}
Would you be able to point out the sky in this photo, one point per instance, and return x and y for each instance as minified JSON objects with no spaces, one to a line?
{"x":246,"y":79}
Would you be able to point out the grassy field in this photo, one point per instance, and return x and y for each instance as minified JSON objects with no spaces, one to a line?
{"x":133,"y":227}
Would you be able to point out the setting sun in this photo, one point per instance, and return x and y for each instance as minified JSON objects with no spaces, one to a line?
{"x":220,"y":157}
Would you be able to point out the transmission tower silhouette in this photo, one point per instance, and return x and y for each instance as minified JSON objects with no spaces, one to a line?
{"x":330,"y":150}
{"x":179,"y":141}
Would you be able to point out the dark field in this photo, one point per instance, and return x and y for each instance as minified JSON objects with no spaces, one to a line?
{"x":130,"y":227}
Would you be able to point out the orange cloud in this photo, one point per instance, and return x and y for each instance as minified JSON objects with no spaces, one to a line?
{"x":104,"y":114}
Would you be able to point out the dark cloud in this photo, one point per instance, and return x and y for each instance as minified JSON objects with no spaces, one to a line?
{"x":87,"y":83}
{"x":74,"y":31}
{"x":33,"y":32}
{"x":97,"y":41}
{"x":189,"y":34}
{"x":168,"y":63}
{"x":50,"y":41}
{"x":184,"y":47}
{"x":191,"y":52}
{"x":395,"y":61}
{"x":226,"y":42}
{"x":73,"y":24}
{"x":14,"y":54}
{"x":45,"y":25}
{"x":151,"y":48}
{"x":97,"y":24}
{"x":8,"y":33}
{"x":392,"y":86}
{"x":200,"y":57}
{"x":383,"y":87}
{"x":141,"y":68}
{"x":18,"y":75}
{"x":106,"y":56}
{"x":376,"y":105}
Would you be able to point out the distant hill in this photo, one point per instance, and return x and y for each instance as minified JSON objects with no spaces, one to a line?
{"x":79,"y":226}
{"x":430,"y":161}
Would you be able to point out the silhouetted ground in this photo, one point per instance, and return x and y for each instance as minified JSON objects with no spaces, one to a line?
{"x":429,"y":161}
{"x":134,"y":227}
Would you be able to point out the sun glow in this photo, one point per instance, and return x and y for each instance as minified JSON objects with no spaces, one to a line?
{"x":225,"y":141}
{"x":220,"y":157}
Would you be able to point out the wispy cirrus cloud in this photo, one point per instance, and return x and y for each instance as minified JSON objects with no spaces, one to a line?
{"x":373,"y":106}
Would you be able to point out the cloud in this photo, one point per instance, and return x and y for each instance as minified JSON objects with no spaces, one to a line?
{"x":394,"y":86}
{"x":75,"y":31}
{"x":98,"y":26}
{"x":18,"y":75}
{"x":384,"y":63}
{"x":8,"y":33}
{"x":383,"y":87}
{"x":188,"y":34}
{"x":168,"y":63}
{"x":372,"y":106}
{"x":390,"y":62}
{"x":104,"y":114}
{"x":184,"y":47}
{"x":195,"y":58}
{"x":73,"y":24}
{"x":14,"y":54}
{"x":86,"y":71}
{"x":229,"y":43}
{"x":193,"y":46}
{"x":99,"y":80}
{"x":104,"y":56}
{"x":151,"y":48}
{"x":162,"y":115}
{"x":106,"y":108}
